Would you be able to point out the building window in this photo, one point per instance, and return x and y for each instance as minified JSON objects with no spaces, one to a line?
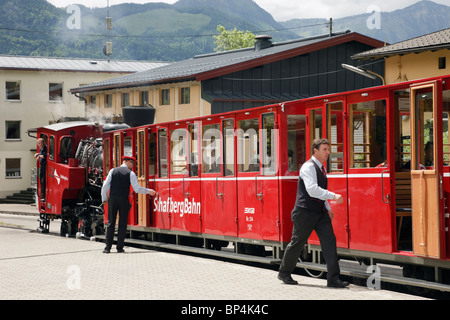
{"x":12,"y":167}
{"x":185,"y":95}
{"x":12,"y":130}
{"x":55,"y":91}
{"x":442,"y":63}
{"x":144,"y":98}
{"x":13,"y":90}
{"x":125,"y":99}
{"x":93,"y":102}
{"x":165,"y":97}
{"x":108,"y":101}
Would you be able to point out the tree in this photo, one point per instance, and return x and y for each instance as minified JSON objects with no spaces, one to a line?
{"x":233,"y":39}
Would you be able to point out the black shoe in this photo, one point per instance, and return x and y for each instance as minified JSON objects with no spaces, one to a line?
{"x":286,"y":278}
{"x":120,"y":250}
{"x":338,"y":283}
{"x":106,"y":251}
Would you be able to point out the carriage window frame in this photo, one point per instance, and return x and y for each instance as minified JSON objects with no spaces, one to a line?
{"x":211,"y":155}
{"x":51,"y":148}
{"x":152,"y":154}
{"x":296,"y":152}
{"x":106,"y":153}
{"x":372,"y":149}
{"x":65,"y":148}
{"x":248,"y":141}
{"x":178,"y":151}
{"x":336,"y":136}
{"x":269,"y":138}
{"x":193,"y":150}
{"x":228,"y":147}
{"x":163,"y":163}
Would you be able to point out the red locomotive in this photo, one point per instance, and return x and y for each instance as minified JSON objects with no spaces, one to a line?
{"x":232,"y":177}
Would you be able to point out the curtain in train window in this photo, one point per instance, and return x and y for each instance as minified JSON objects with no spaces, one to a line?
{"x":211,"y":158}
{"x":296,"y":138}
{"x":228,"y":147}
{"x":248,"y":145}
{"x":368,"y":134}
{"x":178,"y":151}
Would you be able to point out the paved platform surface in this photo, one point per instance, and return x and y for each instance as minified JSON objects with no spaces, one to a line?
{"x":45,"y":266}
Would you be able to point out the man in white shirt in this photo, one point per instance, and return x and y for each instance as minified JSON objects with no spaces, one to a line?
{"x":118,"y":184}
{"x":313,"y":212}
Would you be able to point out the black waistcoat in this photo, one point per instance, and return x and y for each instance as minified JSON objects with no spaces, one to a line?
{"x":120,"y":182}
{"x":303,"y":199}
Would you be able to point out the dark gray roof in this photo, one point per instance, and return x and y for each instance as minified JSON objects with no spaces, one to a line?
{"x":74,"y":64}
{"x":434,"y":41}
{"x":212,"y":65}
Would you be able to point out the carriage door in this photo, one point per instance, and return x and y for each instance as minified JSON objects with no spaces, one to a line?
{"x":327,"y":120}
{"x":258,"y":200}
{"x":426,"y":169}
{"x":160,"y":214}
{"x":141,"y":173}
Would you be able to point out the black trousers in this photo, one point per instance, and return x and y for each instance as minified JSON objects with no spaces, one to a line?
{"x":305,"y":221}
{"x":123,"y":206}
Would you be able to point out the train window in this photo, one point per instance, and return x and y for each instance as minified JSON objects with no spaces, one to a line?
{"x":296,"y":147}
{"x":193,"y":150}
{"x":65,"y":148}
{"x":335,"y":134}
{"x":51,"y":148}
{"x":425,"y":129}
{"x":151,"y":153}
{"x":140,"y":165}
{"x":106,"y":155}
{"x":445,"y":131}
{"x":162,"y":152}
{"x":117,"y":148}
{"x":316,"y":129}
{"x":368,"y":134}
{"x":127,"y":146}
{"x":228,"y":147}
{"x":248,"y":145}
{"x":403,"y":130}
{"x":211,"y":159}
{"x":269,"y":138}
{"x":178,"y":154}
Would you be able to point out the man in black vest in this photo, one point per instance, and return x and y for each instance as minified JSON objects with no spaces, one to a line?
{"x":313,"y":212}
{"x":118,"y":184}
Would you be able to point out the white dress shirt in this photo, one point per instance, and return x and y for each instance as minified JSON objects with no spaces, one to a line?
{"x":309,"y":176}
{"x":133,"y":180}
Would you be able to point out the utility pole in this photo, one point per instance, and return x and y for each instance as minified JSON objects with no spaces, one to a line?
{"x":330,"y":24}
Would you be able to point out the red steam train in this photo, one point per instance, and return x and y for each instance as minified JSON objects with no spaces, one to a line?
{"x":232,"y":178}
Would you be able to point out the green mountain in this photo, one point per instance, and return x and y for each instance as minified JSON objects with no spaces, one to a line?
{"x":418,"y":19}
{"x":160,"y":31}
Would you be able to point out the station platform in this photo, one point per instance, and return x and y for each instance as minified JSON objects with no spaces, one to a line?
{"x":38,"y":266}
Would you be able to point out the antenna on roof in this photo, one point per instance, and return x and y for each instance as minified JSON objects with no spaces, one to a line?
{"x":107,"y":49}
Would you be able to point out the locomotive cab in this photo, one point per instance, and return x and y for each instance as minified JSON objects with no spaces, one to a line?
{"x":71,"y":178}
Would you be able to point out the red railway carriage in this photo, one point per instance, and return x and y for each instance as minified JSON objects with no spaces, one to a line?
{"x":73,"y":176}
{"x":232,"y":177}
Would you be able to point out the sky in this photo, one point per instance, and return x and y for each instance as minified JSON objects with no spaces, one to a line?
{"x":283,"y":10}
